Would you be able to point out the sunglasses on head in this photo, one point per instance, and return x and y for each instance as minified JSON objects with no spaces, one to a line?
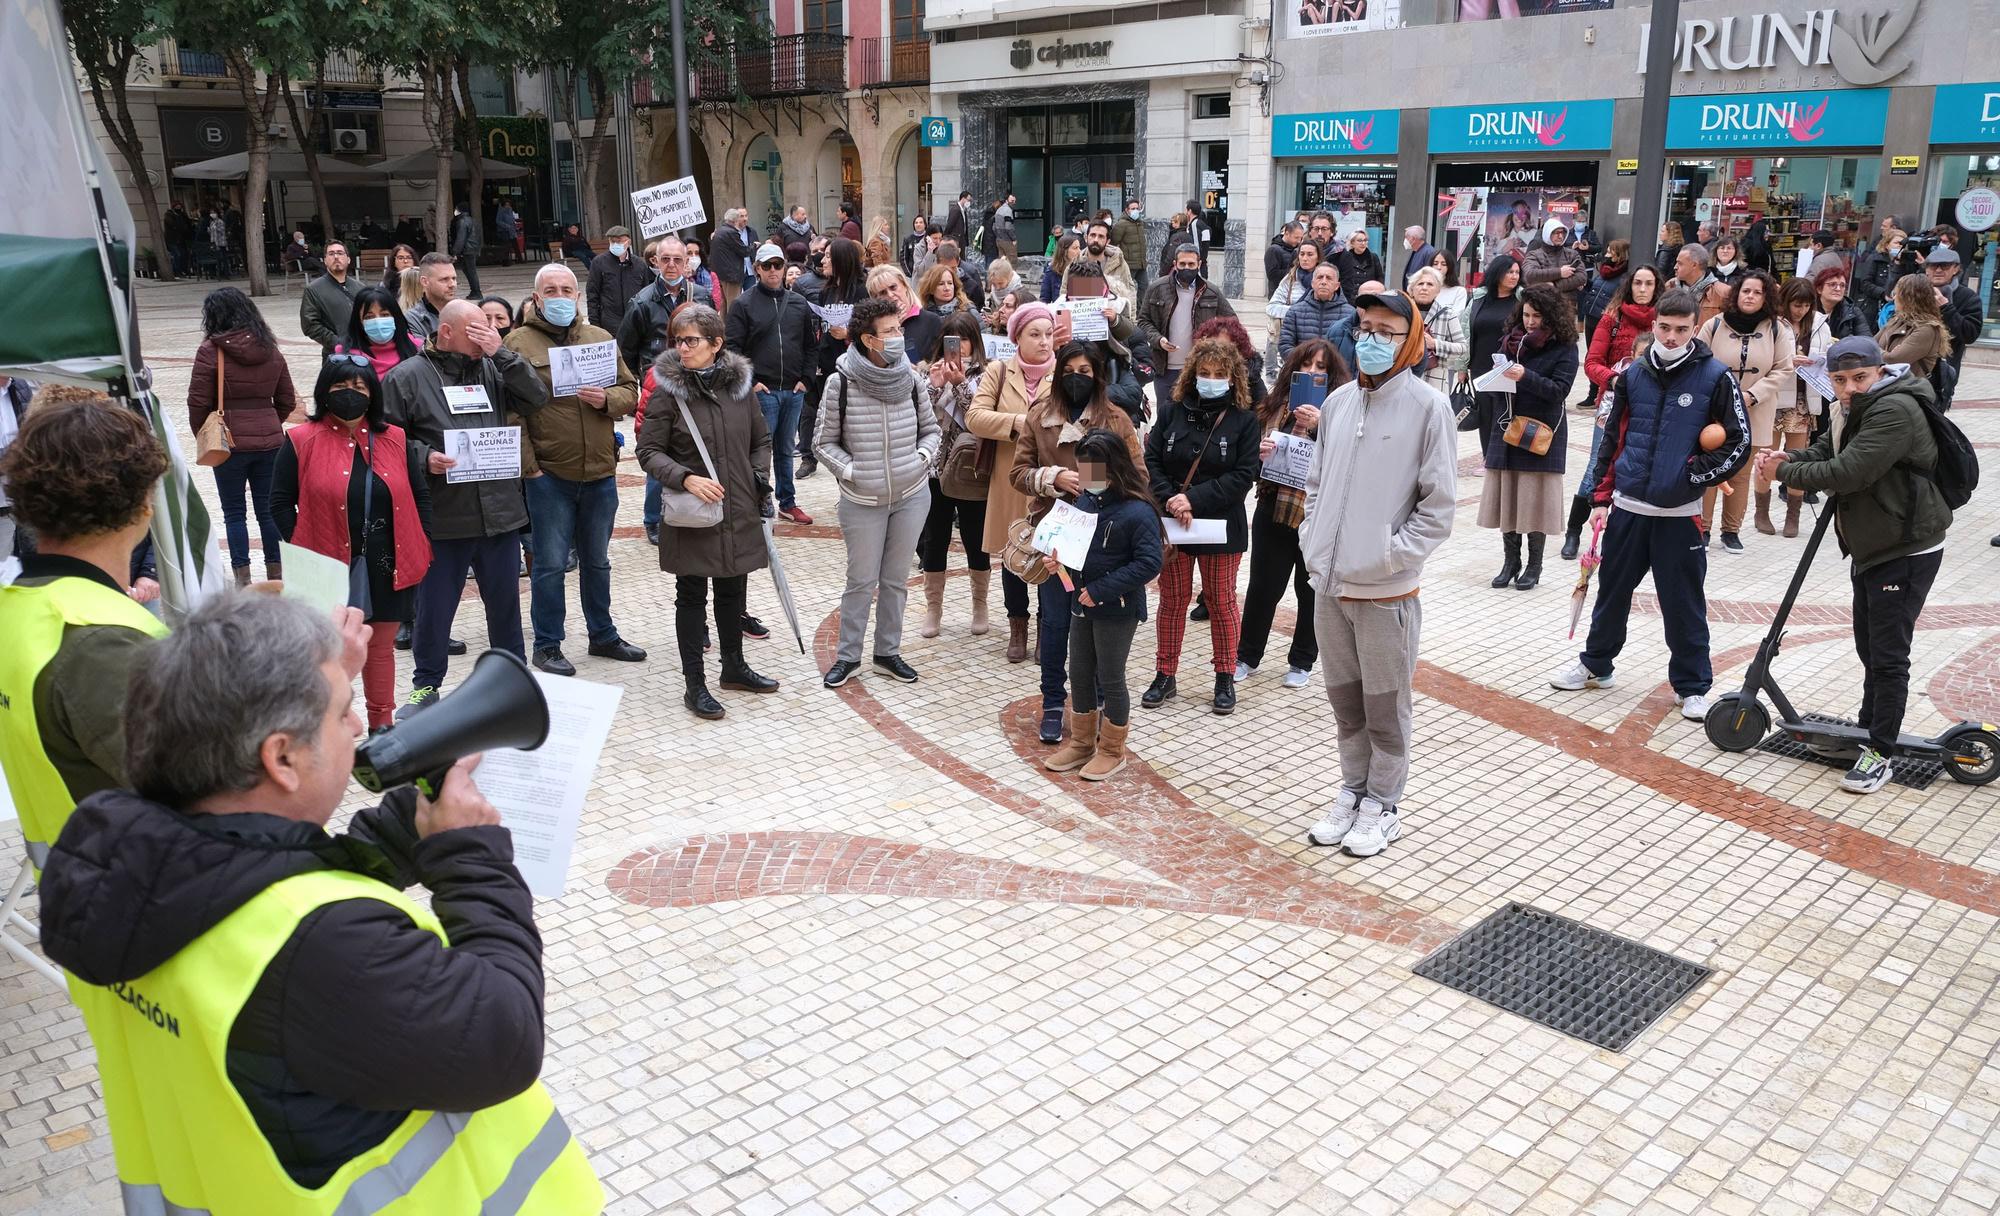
{"x":347,"y":356}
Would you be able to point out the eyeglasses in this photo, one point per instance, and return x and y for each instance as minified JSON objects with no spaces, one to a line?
{"x":777,"y":265}
{"x":690,"y":340}
{"x":348,"y":356}
{"x":1382,"y":333}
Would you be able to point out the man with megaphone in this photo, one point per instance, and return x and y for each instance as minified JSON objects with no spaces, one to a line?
{"x":279,"y":1029}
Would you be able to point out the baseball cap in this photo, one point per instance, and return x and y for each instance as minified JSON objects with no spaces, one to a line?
{"x":768,"y":252}
{"x":1942,"y":256}
{"x":1394,"y":301}
{"x":616,"y":231}
{"x":1850,"y":353}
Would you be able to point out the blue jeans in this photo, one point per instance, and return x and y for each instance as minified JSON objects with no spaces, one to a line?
{"x":494,"y":563}
{"x":781,"y":418}
{"x":571,"y":512}
{"x":1052,"y":641}
{"x":252,"y":471}
{"x":650,"y":513}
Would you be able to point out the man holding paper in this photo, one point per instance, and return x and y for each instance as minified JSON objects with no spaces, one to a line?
{"x":575,"y":442}
{"x":464,"y":379}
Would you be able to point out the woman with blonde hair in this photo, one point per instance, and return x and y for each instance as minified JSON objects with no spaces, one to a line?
{"x":1875,"y":273}
{"x":1671,"y":240}
{"x":920,"y":325}
{"x":1444,"y":329}
{"x":940,"y":291}
{"x":409,"y":289}
{"x":1915,"y":332}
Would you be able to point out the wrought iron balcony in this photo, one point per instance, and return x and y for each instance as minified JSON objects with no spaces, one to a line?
{"x":791,"y":65}
{"x":888,"y":62}
{"x":343,"y":68}
{"x":185,"y":63}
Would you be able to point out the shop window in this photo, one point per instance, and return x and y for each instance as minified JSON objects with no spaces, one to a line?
{"x":1027,"y":128}
{"x":492,"y":89}
{"x":1794,"y":195}
{"x":1069,"y":126}
{"x":1211,"y":105}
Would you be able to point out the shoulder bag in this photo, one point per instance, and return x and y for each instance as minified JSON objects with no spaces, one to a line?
{"x":1464,"y":403}
{"x":212,"y":443}
{"x":682,"y":508}
{"x":1168,"y":548}
{"x":1531,"y":435}
{"x":1018,"y":556}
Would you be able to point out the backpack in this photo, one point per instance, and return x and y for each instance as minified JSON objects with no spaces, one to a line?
{"x":1957,"y":473}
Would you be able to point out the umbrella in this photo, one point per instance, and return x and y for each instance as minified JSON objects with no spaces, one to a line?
{"x":1585,"y":567}
{"x":783,"y":584}
{"x":284,"y":167}
{"x":421,"y":165}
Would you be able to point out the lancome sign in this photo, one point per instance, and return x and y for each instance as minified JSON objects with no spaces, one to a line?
{"x":1858,"y":47}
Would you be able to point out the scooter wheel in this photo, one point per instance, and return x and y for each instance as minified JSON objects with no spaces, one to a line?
{"x":1972,"y":755}
{"x":1736,"y":723}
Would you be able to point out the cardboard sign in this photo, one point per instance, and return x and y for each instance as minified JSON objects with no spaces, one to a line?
{"x":668,"y":207}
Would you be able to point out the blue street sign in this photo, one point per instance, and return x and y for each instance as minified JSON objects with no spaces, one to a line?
{"x":936,"y":132}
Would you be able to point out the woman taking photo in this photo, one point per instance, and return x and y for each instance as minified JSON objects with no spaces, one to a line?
{"x":879,"y":439}
{"x":1755,"y":343}
{"x":1275,"y":558}
{"x":1627,"y":319}
{"x":1844,"y":318}
{"x":1007,"y":389}
{"x":1044,"y":468}
{"x":1799,"y":421}
{"x":1109,"y":603}
{"x":1296,"y":285}
{"x":1524,"y":491}
{"x":238,"y":370}
{"x":378,"y":329}
{"x":1915,"y":332}
{"x":348,"y":485}
{"x":958,"y":485}
{"x":701,"y":391}
{"x":919,"y":325}
{"x":1202,"y":455}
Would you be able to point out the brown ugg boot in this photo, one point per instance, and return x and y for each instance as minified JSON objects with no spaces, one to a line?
{"x":1082,"y":745}
{"x":980,"y":580}
{"x":1764,"y":523}
{"x":933,"y":604}
{"x":242,"y":574}
{"x":1792,"y":513}
{"x":1110,"y":755}
{"x":1017,"y":639}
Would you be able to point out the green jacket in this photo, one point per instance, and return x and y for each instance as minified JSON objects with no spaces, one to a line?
{"x":1886,"y":505}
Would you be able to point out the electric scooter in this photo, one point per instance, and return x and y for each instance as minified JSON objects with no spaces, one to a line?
{"x":1738,"y":721}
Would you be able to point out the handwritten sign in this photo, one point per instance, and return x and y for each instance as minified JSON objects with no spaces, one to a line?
{"x":572,"y":367}
{"x":836,"y":316}
{"x":1290,"y":460}
{"x":1065,"y":534}
{"x":483,"y":453}
{"x":668,"y":207}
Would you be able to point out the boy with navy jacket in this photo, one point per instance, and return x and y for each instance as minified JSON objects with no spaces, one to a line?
{"x":1649,"y":475}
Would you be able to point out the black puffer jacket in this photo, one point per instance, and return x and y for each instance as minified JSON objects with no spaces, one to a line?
{"x":362,"y":1016}
{"x":1225,"y":441}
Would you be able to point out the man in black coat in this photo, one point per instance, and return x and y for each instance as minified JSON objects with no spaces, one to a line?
{"x":958,"y":220}
{"x":773,"y":327}
{"x":1282,"y":252}
{"x":1958,"y":303}
{"x":616,"y":275}
{"x":729,"y":253}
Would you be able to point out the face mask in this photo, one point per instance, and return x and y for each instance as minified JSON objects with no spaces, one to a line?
{"x":1210,"y":389}
{"x":694,"y":262}
{"x":892,"y":349}
{"x":1097,"y":485}
{"x":1078,"y":388}
{"x":379,"y":329}
{"x":676,"y":281}
{"x":559,"y":311}
{"x":1186,"y":278}
{"x":1133,"y":214}
{"x":1374,"y":353}
{"x":618,"y":249}
{"x":347,"y":403}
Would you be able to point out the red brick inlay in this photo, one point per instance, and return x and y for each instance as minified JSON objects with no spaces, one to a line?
{"x":1750,"y":612}
{"x":1968,"y":687}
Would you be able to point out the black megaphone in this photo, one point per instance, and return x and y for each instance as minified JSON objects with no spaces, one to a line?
{"x":498,"y":705}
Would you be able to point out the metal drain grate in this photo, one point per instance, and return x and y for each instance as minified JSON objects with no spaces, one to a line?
{"x":1909,"y":771}
{"x":1563,"y":974}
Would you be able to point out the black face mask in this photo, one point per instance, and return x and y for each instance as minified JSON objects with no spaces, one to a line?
{"x":1078,"y":388}
{"x":347,"y":404}
{"x":1186,"y":278}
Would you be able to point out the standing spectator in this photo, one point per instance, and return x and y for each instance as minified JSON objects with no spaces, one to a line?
{"x":438,"y":280}
{"x":378,"y":330}
{"x":218,"y":241}
{"x":401,"y":258}
{"x":846,"y":283}
{"x":1320,"y":310}
{"x":1729,"y":265}
{"x":1378,"y":503}
{"x":1000,"y":279}
{"x":1447,"y":350}
{"x":1583,"y":238}
{"x":474,"y":524}
{"x":1099,"y":247}
{"x":775,"y":329}
{"x":1109,"y":603}
{"x":1875,"y":271}
{"x":499,"y":313}
{"x":1357,"y":262}
{"x":1289,"y":287}
{"x":327,"y":303}
{"x":1275,"y":556}
{"x":969,"y":288}
{"x":1129,"y":234}
{"x":704,"y":435}
{"x":1628,"y":322}
{"x":574,"y":493}
{"x":731,"y":246}
{"x":879,"y":442}
{"x":616,"y":275}
{"x":1893,"y":521}
{"x":1523,"y":491}
{"x":706,"y":285}
{"x":1832,"y":302}
{"x":1173,"y":309}
{"x":958,"y":222}
{"x":507,"y":226}
{"x":1958,"y":305}
{"x":1203,"y":458}
{"x":1486,"y":320}
{"x":1667,"y":255}
{"x":850,"y":222}
{"x":1800,"y":419}
{"x":794,"y":228}
{"x":1825,"y":254}
{"x":348,"y":485}
{"x":954,"y":380}
{"x":239,"y":370}
{"x":1607,"y":277}
{"x":1754,"y":343}
{"x":1653,"y":490}
{"x":920,"y":325}
{"x":1691,"y":270}
{"x":1001,"y":228}
{"x":642,"y":333}
{"x":1008,"y":390}
{"x":175,"y":229}
{"x":906,"y":253}
{"x":1915,"y":334}
{"x":1550,"y":260}
{"x":466,"y":239}
{"x":1198,"y":233}
{"x":1058,"y":265}
{"x":1422,"y":252}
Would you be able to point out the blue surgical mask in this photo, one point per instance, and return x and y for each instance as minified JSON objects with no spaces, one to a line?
{"x":1374,"y":353}
{"x":1210,"y":388}
{"x":557,"y":310}
{"x":379,"y":329}
{"x":618,"y":249}
{"x":892,"y":349}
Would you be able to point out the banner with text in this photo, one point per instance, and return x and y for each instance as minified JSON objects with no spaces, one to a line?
{"x":668,"y":207}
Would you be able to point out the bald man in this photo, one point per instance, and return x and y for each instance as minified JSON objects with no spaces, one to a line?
{"x":463,"y":380}
{"x":1421,"y":252}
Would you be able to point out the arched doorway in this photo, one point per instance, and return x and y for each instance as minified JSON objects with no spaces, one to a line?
{"x":764,"y":183}
{"x":839,"y":179}
{"x":666,"y":166}
{"x":913,"y":181}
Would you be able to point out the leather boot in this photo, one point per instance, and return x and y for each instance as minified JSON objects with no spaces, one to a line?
{"x":242,"y":574}
{"x":1081,"y":747}
{"x":1512,"y":566}
{"x":1763,"y":521}
{"x":1579,"y":515}
{"x":1792,"y":514}
{"x":980,"y":580}
{"x":1110,"y":755}
{"x":274,"y":571}
{"x":1532,"y":573}
{"x":933,"y":604}
{"x":1017,"y":639}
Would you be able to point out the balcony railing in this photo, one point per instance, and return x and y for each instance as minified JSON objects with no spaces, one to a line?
{"x":887,"y":62}
{"x":793,"y":64}
{"x":185,"y":63}
{"x":341,"y":68}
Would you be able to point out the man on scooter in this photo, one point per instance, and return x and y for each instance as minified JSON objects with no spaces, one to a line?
{"x":1877,"y":459}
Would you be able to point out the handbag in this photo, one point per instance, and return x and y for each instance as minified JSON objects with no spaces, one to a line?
{"x":1464,"y":403}
{"x":681,"y":508}
{"x":212,"y":443}
{"x":967,"y":470}
{"x":1019,"y":556}
{"x":358,"y":594}
{"x":1528,"y":434}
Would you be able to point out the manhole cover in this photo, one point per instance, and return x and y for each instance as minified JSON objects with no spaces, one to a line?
{"x":1584,"y":982}
{"x":1904,"y":770}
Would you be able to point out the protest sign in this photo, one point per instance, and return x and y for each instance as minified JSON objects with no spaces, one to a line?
{"x":1290,"y":460}
{"x":483,"y":453}
{"x":1065,"y":534}
{"x":668,"y":207}
{"x":572,"y":367}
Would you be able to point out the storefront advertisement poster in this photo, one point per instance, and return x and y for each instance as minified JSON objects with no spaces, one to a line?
{"x":1551,"y":126}
{"x":1317,"y":18}
{"x":1822,"y":118}
{"x":1335,"y":133}
{"x":1488,"y":10}
{"x":1463,"y":211}
{"x":1978,"y":209}
{"x":1966,"y":114}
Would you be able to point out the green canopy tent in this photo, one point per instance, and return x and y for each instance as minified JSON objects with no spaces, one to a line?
{"x":66,"y":249}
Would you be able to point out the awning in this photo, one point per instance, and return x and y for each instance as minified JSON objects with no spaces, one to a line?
{"x":285,"y":167}
{"x":422,"y":166}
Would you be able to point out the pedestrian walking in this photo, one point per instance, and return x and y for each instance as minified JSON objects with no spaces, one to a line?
{"x":1129,"y":234}
{"x":1526,"y":447}
{"x":1754,"y":342}
{"x":507,"y":227}
{"x":1008,"y":390}
{"x":239,"y":370}
{"x":465,"y":241}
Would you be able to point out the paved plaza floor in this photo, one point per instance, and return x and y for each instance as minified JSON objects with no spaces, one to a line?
{"x":856,"y":952}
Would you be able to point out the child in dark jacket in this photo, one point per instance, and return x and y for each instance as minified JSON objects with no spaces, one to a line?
{"x":1109,"y":601}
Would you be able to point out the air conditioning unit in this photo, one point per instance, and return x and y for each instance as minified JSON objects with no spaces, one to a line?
{"x":350,"y":141}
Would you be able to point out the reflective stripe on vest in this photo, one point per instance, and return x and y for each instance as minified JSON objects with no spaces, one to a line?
{"x":33,"y":619}
{"x":186,"y":1144}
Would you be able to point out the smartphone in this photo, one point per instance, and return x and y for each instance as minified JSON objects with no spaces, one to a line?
{"x":1308,"y":389}
{"x":951,"y":345}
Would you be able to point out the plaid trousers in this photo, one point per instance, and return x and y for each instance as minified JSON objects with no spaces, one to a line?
{"x":1225,"y":615}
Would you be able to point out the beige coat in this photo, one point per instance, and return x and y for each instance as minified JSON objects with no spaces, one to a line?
{"x":1763,"y":369}
{"x":997,"y":413}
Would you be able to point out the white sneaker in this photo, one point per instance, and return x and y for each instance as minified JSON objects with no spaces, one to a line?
{"x":1693,"y":708}
{"x":1576,"y":677}
{"x":1376,"y":826}
{"x":1298,"y":677}
{"x":1333,"y":826}
{"x":1244,"y":671}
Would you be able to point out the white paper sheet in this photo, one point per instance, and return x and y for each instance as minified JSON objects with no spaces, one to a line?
{"x":1200,"y":532}
{"x":573,"y":367}
{"x":998,"y":347}
{"x":1291,"y":460}
{"x":483,"y":453}
{"x":314,"y":578}
{"x":668,"y":207}
{"x":836,"y":316}
{"x":540,"y":794}
{"x":1493,"y":381}
{"x":1065,"y":533}
{"x":1812,"y":370}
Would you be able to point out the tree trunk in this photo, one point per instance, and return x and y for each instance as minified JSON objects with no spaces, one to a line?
{"x":441,"y":121}
{"x":116,"y":114}
{"x":468,"y":144}
{"x":305,"y":127}
{"x":600,"y":99}
{"x":563,"y":84}
{"x":258,"y":185}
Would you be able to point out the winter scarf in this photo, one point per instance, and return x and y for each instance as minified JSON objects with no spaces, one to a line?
{"x":891,"y":383}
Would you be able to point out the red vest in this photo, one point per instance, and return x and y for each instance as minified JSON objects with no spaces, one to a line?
{"x":325,"y":450}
